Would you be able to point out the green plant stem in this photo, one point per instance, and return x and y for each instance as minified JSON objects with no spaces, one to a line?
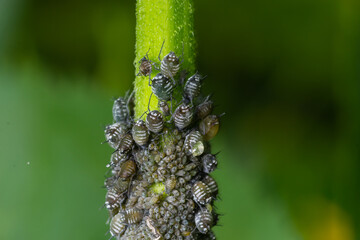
{"x":157,"y":21}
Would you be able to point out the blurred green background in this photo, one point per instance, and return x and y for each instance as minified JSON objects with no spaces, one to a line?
{"x":285,"y":72}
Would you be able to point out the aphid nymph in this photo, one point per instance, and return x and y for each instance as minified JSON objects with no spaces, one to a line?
{"x":170,"y":64}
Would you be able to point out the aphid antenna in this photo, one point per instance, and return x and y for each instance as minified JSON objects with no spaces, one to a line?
{"x":115,"y":151}
{"x":129,"y":187}
{"x":161,"y":50}
{"x":192,"y":231}
{"x":110,"y":237}
{"x":129,"y":100}
{"x":102,"y":207}
{"x":149,"y":101}
{"x":105,"y":141}
{"x":215,"y":154}
{"x":220,"y":115}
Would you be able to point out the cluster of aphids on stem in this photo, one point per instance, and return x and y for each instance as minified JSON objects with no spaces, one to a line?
{"x":159,"y":186}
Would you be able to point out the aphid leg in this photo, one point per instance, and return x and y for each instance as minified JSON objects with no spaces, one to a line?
{"x":129,"y":187}
{"x":105,"y":141}
{"x":172,"y":78}
{"x":149,"y":102}
{"x":150,"y":77}
{"x":161,"y":50}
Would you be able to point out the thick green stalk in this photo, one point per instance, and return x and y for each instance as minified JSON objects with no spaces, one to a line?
{"x":157,"y":21}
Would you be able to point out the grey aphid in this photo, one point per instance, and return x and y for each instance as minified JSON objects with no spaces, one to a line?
{"x":120,"y":110}
{"x":190,"y":142}
{"x":203,"y":221}
{"x":183,"y":116}
{"x":117,"y":225}
{"x":209,"y":163}
{"x":140,"y":133}
{"x":205,"y":108}
{"x":155,"y":121}
{"x":170,"y":64}
{"x":192,"y":87}
{"x":114,"y":133}
{"x":126,"y":143}
{"x":162,"y":87}
{"x":201,"y":193}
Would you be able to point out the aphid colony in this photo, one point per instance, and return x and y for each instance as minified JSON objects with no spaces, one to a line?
{"x":159,"y":185}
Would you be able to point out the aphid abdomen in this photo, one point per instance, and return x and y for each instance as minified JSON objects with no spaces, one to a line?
{"x":183,"y":116}
{"x":162,"y":87}
{"x":155,"y":121}
{"x":154,"y":230}
{"x":145,"y":67}
{"x":191,"y":140}
{"x":117,"y":157}
{"x":192,"y":87}
{"x":211,"y":183}
{"x":114,"y":133}
{"x":203,"y":221}
{"x":170,"y":65}
{"x":117,"y":225}
{"x":140,"y":133}
{"x":133,"y":215}
{"x":201,"y":193}
{"x":120,"y":110}
{"x":112,"y":199}
{"x":209,"y":127}
{"x":126,"y":143}
{"x":128,"y":169}
{"x":204,"y":109}
{"x":209,"y":163}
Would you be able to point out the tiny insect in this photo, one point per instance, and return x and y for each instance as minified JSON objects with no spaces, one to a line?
{"x":209,"y":127}
{"x":128,"y":169}
{"x":162,"y":87}
{"x":145,"y":68}
{"x":209,"y":162}
{"x":155,"y":121}
{"x":192,"y":87}
{"x":117,"y":225}
{"x":190,"y":143}
{"x":140,"y":133}
{"x":203,"y":221}
{"x":154,"y":230}
{"x":212,"y":185}
{"x":120,"y":110}
{"x":205,"y":108}
{"x":183,"y":116}
{"x":116,"y":158}
{"x":201,"y":193}
{"x":121,"y":185}
{"x":114,"y":133}
{"x":133,"y":215}
{"x":126,"y":143}
{"x":112,"y":199}
{"x":170,"y":64}
{"x":164,"y":108}
{"x":110,"y":182}
{"x":170,"y":184}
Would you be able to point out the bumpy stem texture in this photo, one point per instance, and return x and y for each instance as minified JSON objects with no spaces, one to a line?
{"x":157,"y":21}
